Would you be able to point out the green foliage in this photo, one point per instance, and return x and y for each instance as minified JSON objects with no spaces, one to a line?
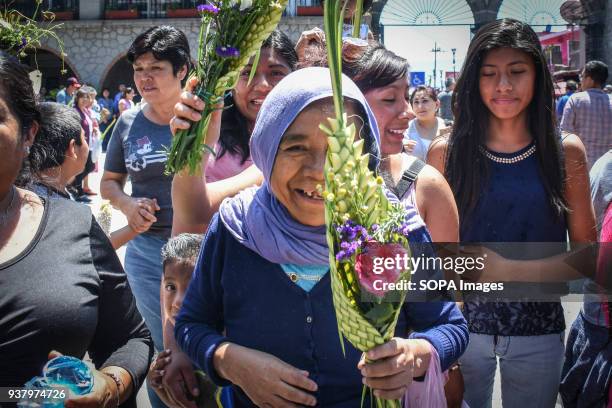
{"x":19,"y":34}
{"x":354,"y":193}
{"x":357,"y":19}
{"x":242,"y":25}
{"x":333,"y":14}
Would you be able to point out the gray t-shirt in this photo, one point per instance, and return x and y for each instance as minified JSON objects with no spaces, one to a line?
{"x":138,"y":148}
{"x":601,"y":194}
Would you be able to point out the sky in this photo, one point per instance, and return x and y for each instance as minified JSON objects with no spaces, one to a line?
{"x":415,"y":44}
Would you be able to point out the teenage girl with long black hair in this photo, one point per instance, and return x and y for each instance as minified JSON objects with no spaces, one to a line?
{"x":515,"y":179}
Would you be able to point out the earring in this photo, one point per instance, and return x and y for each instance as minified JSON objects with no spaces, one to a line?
{"x":27,"y":150}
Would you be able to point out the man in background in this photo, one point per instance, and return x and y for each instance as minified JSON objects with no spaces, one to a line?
{"x":570,"y":88}
{"x":65,"y":95}
{"x":445,"y":97}
{"x":118,"y":97}
{"x":588,"y":114}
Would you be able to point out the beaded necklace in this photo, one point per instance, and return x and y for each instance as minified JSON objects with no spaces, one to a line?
{"x":508,"y":160}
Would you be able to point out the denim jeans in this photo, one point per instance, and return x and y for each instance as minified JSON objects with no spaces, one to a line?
{"x":143,"y":267}
{"x":530,"y":368}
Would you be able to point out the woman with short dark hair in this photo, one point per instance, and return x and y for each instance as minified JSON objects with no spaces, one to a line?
{"x":161,"y":62}
{"x":382,"y":76}
{"x":160,"y":57}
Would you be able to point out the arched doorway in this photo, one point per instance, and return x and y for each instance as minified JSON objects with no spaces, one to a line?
{"x":433,"y":35}
{"x":50,"y":64}
{"x":426,"y":13}
{"x":121,"y":72}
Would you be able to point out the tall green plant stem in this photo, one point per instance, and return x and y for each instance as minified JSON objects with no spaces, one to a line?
{"x":357,"y":19}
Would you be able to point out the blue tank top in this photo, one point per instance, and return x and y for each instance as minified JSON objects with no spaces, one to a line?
{"x":513,"y":207}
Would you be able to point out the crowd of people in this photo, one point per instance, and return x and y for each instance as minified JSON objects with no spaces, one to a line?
{"x":98,"y":116}
{"x":227,"y":272}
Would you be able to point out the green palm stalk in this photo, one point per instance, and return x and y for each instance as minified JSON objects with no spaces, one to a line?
{"x":222,"y":54}
{"x":357,"y":19}
{"x":354,"y":195}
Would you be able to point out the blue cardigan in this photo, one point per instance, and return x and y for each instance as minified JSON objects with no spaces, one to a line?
{"x":235,"y":290}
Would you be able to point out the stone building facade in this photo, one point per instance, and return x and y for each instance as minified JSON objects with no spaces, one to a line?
{"x":95,"y":48}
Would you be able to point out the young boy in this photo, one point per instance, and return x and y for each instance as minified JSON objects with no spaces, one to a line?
{"x":179,"y":256}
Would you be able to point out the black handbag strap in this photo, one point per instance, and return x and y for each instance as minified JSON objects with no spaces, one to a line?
{"x":409,"y":176}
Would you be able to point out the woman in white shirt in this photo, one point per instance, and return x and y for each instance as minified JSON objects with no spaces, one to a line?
{"x":426,"y":126}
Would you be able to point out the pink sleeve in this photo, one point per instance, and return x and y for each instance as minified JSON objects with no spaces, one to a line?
{"x":224,"y":167}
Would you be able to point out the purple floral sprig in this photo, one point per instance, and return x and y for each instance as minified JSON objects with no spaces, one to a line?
{"x":24,"y":43}
{"x":352,"y":237}
{"x":227,"y":52}
{"x":396,"y":228}
{"x":403,"y":229}
{"x":208,"y":10}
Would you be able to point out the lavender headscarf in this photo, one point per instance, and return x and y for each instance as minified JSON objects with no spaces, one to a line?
{"x":255,"y":217}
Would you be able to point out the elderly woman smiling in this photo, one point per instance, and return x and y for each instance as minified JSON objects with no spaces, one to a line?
{"x":242,"y":313}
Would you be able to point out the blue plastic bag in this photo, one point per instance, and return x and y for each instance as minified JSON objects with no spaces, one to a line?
{"x":61,"y":372}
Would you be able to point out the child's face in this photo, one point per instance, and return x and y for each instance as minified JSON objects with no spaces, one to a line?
{"x":177,"y":276}
{"x":300,"y":161}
